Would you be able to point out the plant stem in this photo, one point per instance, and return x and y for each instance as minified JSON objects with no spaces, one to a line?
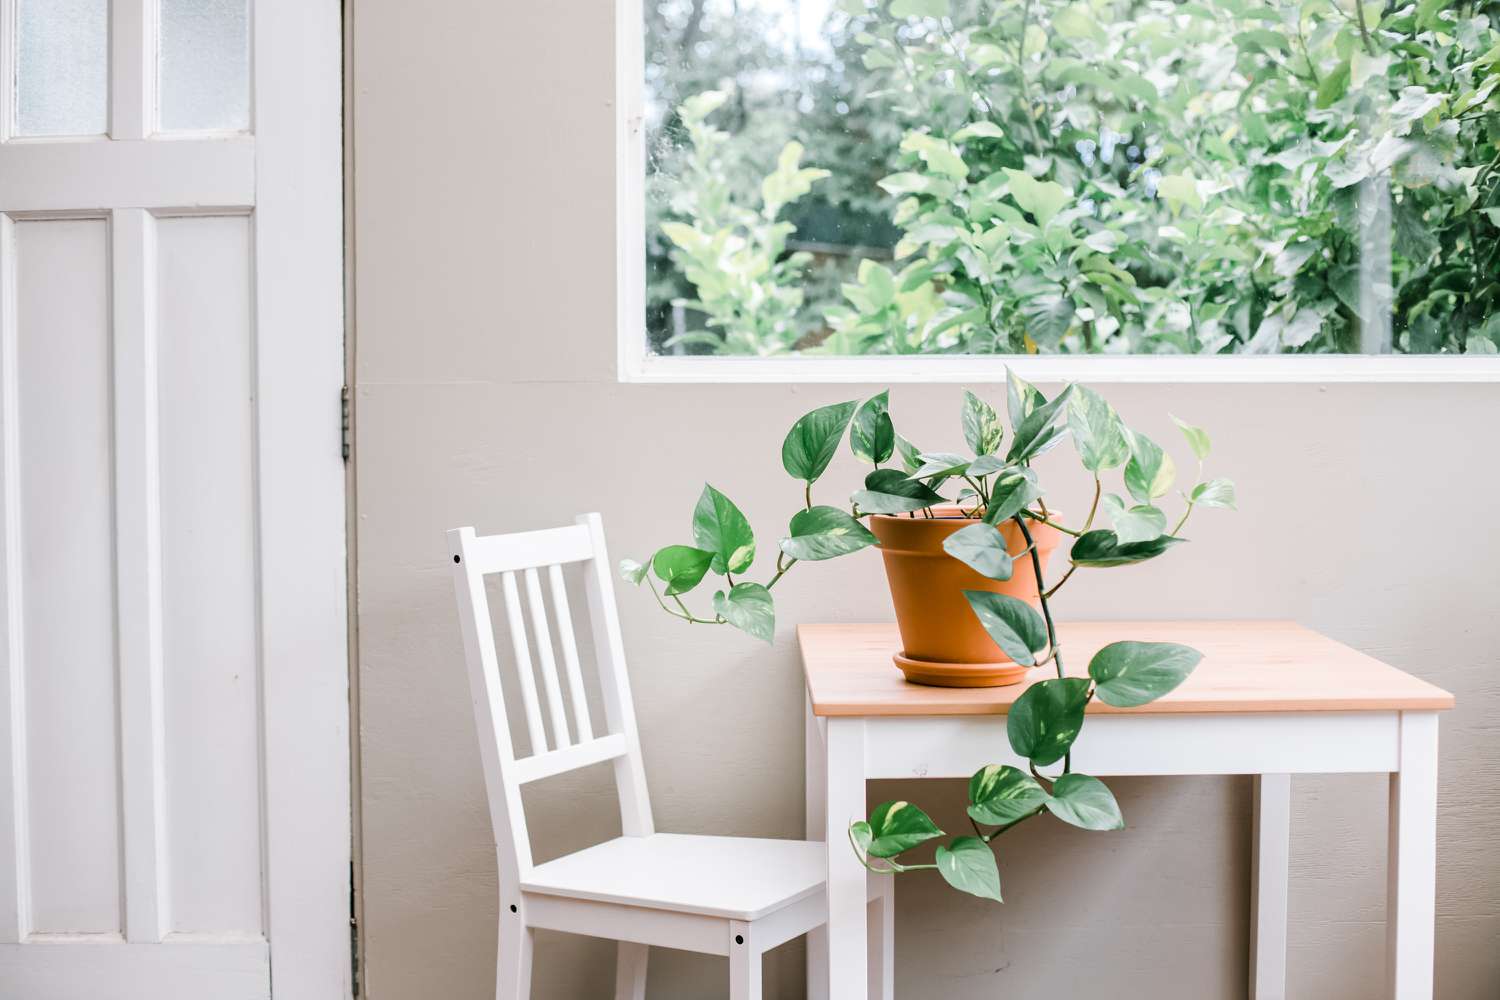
{"x":1093,"y":508}
{"x":780,"y":572}
{"x":1058,"y":585}
{"x":983,"y":500}
{"x":715,"y":620}
{"x":1054,"y":524}
{"x":895,"y":866}
{"x":1364,"y":31}
{"x":1041,"y":590}
{"x":1038,"y":146}
{"x":807,"y":495}
{"x":1183,"y":519}
{"x":1306,"y":56}
{"x":684,"y":614}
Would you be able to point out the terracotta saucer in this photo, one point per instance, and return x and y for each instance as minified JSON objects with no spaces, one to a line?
{"x":960,"y":675}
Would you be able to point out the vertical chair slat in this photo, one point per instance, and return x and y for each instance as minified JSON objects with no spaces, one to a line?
{"x":513,"y":847}
{"x":564,"y":617}
{"x":523,"y":663}
{"x":548,"y":661}
{"x":619,"y":710}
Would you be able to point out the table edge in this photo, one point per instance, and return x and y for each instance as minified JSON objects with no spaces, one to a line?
{"x":1437,"y":700}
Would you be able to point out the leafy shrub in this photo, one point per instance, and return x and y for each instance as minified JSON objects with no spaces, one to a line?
{"x":1117,"y":176}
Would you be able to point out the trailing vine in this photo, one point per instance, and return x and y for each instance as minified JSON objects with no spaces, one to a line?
{"x":1046,"y":719}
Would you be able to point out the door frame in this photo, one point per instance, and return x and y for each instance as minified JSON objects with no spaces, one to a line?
{"x":300,"y":330}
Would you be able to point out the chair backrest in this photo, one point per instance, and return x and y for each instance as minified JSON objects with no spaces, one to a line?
{"x":521,"y":560}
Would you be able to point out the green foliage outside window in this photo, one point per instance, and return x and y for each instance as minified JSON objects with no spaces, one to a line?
{"x":1100,"y":176}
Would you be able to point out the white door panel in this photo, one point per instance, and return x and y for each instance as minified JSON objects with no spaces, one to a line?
{"x":174,"y":812}
{"x":67,"y":574}
{"x":210,"y":668}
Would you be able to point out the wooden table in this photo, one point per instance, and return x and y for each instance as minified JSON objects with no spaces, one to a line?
{"x":1269,"y":699}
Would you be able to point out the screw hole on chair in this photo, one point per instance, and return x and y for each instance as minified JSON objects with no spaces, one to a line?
{"x":513,"y":907}
{"x":457,"y":559}
{"x":739,"y":939}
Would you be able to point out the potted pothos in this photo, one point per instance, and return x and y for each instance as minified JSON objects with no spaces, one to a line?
{"x":966,"y":539}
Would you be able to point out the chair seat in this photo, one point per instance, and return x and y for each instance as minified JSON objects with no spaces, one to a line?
{"x":738,"y":878}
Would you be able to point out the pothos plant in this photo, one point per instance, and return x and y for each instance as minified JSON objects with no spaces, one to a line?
{"x":989,"y":486}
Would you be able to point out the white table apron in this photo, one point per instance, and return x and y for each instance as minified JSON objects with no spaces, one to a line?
{"x":843,"y":752}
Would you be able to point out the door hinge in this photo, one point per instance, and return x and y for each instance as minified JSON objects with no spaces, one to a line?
{"x":344,"y":435}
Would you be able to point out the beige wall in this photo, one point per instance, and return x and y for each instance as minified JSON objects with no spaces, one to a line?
{"x":484,"y":315}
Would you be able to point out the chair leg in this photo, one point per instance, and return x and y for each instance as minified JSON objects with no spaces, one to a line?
{"x":513,"y":963}
{"x":630,"y":971}
{"x":744,"y":963}
{"x":882,"y":940}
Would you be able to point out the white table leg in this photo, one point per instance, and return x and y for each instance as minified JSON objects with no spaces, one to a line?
{"x":745,"y":962}
{"x":847,"y":889}
{"x":815,"y":788}
{"x":1412,"y":876}
{"x":1270,"y":852}
{"x":882,"y":938}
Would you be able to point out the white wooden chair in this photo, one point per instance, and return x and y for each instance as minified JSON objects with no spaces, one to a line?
{"x":733,"y":896}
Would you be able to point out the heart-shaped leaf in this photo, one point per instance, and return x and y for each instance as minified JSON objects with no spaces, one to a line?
{"x":1101,"y":548}
{"x":1036,"y":434}
{"x":872,"y":436}
{"x":1000,"y":795}
{"x":632,"y":571}
{"x":968,"y":864}
{"x":1214,"y":493}
{"x":1021,"y":398}
{"x":982,"y":547}
{"x":1012,"y":623}
{"x":860,"y":836}
{"x":898,"y":826}
{"x":982,"y":428}
{"x":1014,"y":490}
{"x":749,"y":608}
{"x":888,"y":491}
{"x":1085,"y":802}
{"x":1150,"y":471}
{"x":1045,"y":720}
{"x":986,"y":465}
{"x":1139,"y":523}
{"x":813,"y":440}
{"x":681,"y":567}
{"x":941,"y":465}
{"x":1127,"y":674}
{"x":1097,"y":431}
{"x":1197,"y":438}
{"x":720,"y":528}
{"x":824,"y":533}
{"x":911,"y":455}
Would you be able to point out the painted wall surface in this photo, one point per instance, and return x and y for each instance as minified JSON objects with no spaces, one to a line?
{"x":483,"y":183}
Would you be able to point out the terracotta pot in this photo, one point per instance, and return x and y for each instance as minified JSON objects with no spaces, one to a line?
{"x":944,"y":644}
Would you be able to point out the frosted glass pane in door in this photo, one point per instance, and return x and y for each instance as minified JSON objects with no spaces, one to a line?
{"x":205,"y":65}
{"x":62,"y":67}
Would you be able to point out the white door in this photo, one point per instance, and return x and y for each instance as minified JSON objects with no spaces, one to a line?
{"x":174,"y":778}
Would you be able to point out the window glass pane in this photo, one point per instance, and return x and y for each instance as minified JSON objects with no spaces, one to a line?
{"x":1072,"y":176}
{"x":62,"y":67}
{"x":205,"y":65}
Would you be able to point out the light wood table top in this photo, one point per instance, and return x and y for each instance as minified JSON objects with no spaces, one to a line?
{"x":1247,"y":666}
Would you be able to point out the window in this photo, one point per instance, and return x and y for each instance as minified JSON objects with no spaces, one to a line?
{"x":1169,"y":186}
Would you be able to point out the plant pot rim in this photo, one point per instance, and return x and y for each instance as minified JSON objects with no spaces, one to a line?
{"x":950,"y":513}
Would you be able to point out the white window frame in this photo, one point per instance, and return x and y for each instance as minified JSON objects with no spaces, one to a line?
{"x":636,"y":364}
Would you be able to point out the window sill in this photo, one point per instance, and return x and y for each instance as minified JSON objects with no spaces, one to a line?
{"x":1154,"y":369}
